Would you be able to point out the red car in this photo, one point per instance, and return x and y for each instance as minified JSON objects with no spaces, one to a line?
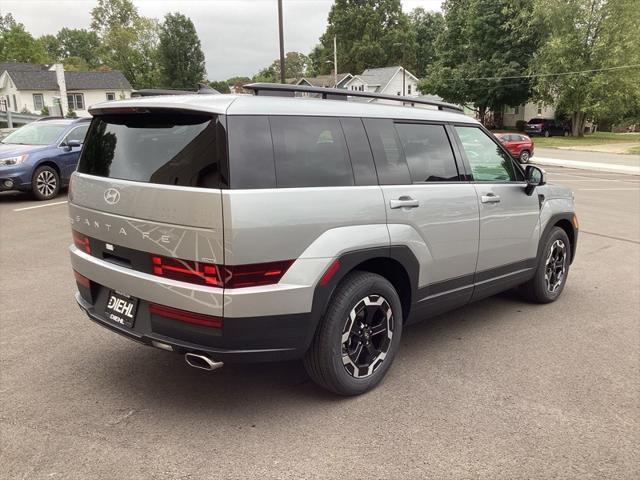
{"x":519,"y":145}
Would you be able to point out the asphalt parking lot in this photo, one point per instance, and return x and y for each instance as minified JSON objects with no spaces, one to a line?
{"x":500,"y":389}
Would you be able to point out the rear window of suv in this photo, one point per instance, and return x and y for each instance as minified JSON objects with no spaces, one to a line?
{"x":159,"y":147}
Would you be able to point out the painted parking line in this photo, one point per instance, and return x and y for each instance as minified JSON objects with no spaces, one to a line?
{"x":39,"y":206}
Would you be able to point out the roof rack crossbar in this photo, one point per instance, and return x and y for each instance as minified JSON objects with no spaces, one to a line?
{"x":279,"y":89}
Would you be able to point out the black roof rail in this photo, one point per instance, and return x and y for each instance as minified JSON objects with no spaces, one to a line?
{"x":283,"y":90}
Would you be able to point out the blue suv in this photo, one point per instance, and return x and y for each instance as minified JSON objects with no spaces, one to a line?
{"x":41,"y":156}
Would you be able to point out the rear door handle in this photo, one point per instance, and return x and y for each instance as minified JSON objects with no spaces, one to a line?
{"x":404,"y":202}
{"x":490,"y":198}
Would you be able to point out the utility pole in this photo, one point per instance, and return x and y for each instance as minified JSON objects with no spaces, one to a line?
{"x":335,"y":62}
{"x":281,"y":32}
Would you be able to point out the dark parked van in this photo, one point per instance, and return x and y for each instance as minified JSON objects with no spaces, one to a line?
{"x":547,"y":127}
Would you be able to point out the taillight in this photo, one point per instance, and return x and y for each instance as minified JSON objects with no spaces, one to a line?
{"x":82,"y":280}
{"x":185,"y":316}
{"x":186,"y":270}
{"x":229,"y":276}
{"x":238,"y":276}
{"x":81,"y":241}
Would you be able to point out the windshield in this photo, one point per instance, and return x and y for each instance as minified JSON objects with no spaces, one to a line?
{"x":36,"y":134}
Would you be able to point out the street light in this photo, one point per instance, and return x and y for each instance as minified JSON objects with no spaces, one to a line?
{"x":401,"y":44}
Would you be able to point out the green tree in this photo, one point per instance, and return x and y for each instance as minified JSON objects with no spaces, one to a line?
{"x":18,"y":45}
{"x":370,"y":33}
{"x":295,"y":63}
{"x":110,"y":14}
{"x":484,"y":41}
{"x":51,"y":47}
{"x":589,"y":35}
{"x":134,"y":51}
{"x":427,"y":26}
{"x":221,"y":86}
{"x":180,"y":53}
{"x":79,"y":43}
{"x":75,"y":64}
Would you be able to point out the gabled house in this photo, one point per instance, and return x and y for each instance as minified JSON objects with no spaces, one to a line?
{"x":386,"y":80}
{"x":328,"y":81}
{"x":31,"y":87}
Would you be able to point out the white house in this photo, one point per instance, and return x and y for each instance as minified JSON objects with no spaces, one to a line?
{"x":328,"y":81}
{"x":386,"y":80}
{"x":525,"y":112}
{"x":31,"y":87}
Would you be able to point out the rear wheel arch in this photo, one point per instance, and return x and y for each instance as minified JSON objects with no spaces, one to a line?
{"x":397,"y":264}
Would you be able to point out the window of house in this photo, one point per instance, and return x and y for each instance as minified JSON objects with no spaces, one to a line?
{"x":539,"y":109}
{"x":516,"y":110}
{"x":111,"y":96}
{"x":428,"y":152}
{"x":38,"y":102}
{"x":75,"y":101}
{"x":409,"y":89}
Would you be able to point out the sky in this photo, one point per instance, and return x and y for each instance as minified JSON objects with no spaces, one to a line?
{"x":238,"y":37}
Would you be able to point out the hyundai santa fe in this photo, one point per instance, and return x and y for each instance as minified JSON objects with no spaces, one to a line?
{"x":243,"y":228}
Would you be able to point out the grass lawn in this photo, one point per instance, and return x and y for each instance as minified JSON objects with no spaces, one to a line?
{"x":598,"y":138}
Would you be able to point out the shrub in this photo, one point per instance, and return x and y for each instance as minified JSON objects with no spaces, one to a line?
{"x":520,"y":125}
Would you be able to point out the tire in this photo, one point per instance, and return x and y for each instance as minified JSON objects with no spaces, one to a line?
{"x":339,"y":358}
{"x":45,"y":184}
{"x":548,"y":283}
{"x":547,"y":133}
{"x":524,"y":156}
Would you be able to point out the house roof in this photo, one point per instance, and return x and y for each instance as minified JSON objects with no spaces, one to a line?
{"x":46,"y":80}
{"x":380,"y":77}
{"x":323,"y":80}
{"x":17,"y":66}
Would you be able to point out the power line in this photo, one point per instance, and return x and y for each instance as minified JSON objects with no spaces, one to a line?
{"x":556,"y":74}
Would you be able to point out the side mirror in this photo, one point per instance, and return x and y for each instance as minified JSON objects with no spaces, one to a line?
{"x":536,"y":177}
{"x":74,"y":144}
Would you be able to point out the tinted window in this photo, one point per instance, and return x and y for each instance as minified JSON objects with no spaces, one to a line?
{"x":310,"y":152}
{"x":428,"y":152}
{"x":487,"y":160}
{"x":359,"y":151}
{"x":387,"y":152}
{"x":250,"y":152}
{"x":77,"y":133}
{"x":165,"y":148}
{"x":536,"y":121}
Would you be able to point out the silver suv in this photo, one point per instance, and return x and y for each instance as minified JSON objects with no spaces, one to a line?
{"x":235,"y":228}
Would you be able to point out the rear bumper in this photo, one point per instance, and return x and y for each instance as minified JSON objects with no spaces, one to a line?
{"x":240,"y":340}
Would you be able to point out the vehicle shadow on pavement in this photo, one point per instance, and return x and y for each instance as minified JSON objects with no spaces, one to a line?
{"x":162,"y":381}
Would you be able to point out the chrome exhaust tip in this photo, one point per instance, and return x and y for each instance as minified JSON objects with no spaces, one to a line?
{"x":202,"y":362}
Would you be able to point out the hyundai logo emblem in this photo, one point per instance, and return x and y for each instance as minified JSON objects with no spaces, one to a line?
{"x":111,"y":196}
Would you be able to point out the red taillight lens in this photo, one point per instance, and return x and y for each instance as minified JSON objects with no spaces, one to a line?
{"x":81,"y":241}
{"x":238,"y":276}
{"x":186,"y":270}
{"x":230,"y":276}
{"x":82,"y":280}
{"x":185,"y":316}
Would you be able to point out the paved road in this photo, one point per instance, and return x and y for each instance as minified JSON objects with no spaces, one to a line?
{"x":499,"y":390}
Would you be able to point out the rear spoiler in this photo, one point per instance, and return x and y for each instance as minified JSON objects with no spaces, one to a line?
{"x":203,"y":89}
